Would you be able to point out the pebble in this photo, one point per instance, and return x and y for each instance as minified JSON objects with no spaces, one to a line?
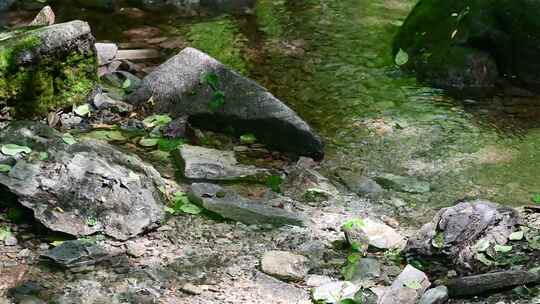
{"x":192,"y":289}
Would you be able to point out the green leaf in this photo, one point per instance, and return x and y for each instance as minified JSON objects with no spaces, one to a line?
{"x":413,"y":284}
{"x":536,"y":198}
{"x":438,"y":240}
{"x":5,"y":232}
{"x":57,"y":243}
{"x":190,"y":208}
{"x":401,"y":57}
{"x":126,"y":84}
{"x":248,"y":139}
{"x":107,"y":135}
{"x":516,"y":236}
{"x":82,"y":110}
{"x":218,"y":100}
{"x":148,"y":142}
{"x":211,"y":79}
{"x":481,"y":246}
{"x":353,"y":223}
{"x":502,"y":248}
{"x":168,"y":145}
{"x":91,"y":221}
{"x":5,"y":168}
{"x":156,"y":120}
{"x":169,"y":210}
{"x":43,"y":156}
{"x":274,"y":182}
{"x":12,"y":149}
{"x":484,"y":259}
{"x":69,"y":139}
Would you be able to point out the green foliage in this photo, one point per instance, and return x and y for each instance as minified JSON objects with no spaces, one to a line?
{"x":148,"y":142}
{"x":168,"y":145}
{"x":218,"y":96}
{"x":274,"y":182}
{"x":13,"y":149}
{"x":5,"y":168}
{"x":350,"y":268}
{"x":82,"y":110}
{"x":5,"y":232}
{"x":248,"y":139}
{"x":394,"y":256}
{"x":69,"y":139}
{"x":156,"y":120}
{"x":401,"y":58}
{"x":353,"y":223}
{"x":536,"y":198}
{"x":180,"y":203}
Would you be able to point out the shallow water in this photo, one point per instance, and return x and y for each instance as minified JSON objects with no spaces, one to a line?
{"x":330,"y":61}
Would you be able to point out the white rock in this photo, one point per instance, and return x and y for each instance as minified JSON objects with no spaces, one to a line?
{"x":334,"y":292}
{"x":285,"y":265}
{"x":407,"y":288}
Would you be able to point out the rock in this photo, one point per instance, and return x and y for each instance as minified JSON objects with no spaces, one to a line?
{"x":135,"y":249}
{"x":76,"y":254}
{"x":176,"y":88}
{"x":407,"y":288}
{"x":315,"y":280}
{"x":47,"y":68}
{"x":106,"y":52}
{"x":437,"y":295}
{"x":178,"y":128}
{"x":403,"y":183}
{"x":10,"y":240}
{"x":366,"y":269}
{"x":285,"y":265}
{"x":142,"y":54}
{"x":70,"y":120}
{"x":455,"y":231}
{"x":102,"y":101}
{"x":374,"y":232}
{"x":272,"y":290}
{"x":89,"y":186}
{"x":30,"y":300}
{"x":360,"y":184}
{"x":334,"y":292}
{"x":304,"y":183}
{"x":201,"y":163}
{"x":470,"y":44}
{"x":44,"y":17}
{"x":192,"y":6}
{"x":230,"y":205}
{"x":192,"y":289}
{"x":483,"y":283}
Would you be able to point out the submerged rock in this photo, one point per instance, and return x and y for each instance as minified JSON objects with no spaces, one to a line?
{"x":47,"y":68}
{"x":469,"y":45}
{"x":459,"y":231}
{"x":403,"y":183}
{"x":234,"y":6}
{"x":82,"y":188}
{"x":201,"y":163}
{"x":285,"y":265}
{"x":76,"y":254}
{"x":407,"y":288}
{"x":214,"y":97}
{"x":232,"y":206}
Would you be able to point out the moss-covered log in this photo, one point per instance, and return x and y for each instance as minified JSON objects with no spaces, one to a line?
{"x":46,"y":68}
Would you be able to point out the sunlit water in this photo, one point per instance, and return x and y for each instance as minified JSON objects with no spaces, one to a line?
{"x":330,"y":61}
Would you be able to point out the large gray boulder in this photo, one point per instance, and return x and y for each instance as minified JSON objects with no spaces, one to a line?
{"x":187,"y":85}
{"x":81,"y":188}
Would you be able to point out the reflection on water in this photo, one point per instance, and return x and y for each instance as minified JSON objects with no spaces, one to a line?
{"x":330,"y":61}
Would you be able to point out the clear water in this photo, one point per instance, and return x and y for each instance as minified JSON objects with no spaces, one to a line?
{"x":330,"y":61}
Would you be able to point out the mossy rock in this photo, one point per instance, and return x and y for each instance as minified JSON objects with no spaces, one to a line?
{"x":43,"y":69}
{"x":465,"y":33}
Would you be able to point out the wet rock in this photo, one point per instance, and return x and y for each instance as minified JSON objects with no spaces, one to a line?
{"x":403,"y":183}
{"x":201,"y":163}
{"x":334,"y":292}
{"x":455,"y":231}
{"x":48,"y":67}
{"x":470,"y":44}
{"x":76,"y":254}
{"x":89,"y":186}
{"x":375,"y":233}
{"x":437,"y":295}
{"x":225,"y":100}
{"x":106,"y":52}
{"x":44,"y":17}
{"x":407,"y":288}
{"x":230,"y":205}
{"x":285,"y":265}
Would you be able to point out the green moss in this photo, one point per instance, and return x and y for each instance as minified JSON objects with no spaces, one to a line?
{"x":221,"y":40}
{"x":50,"y":84}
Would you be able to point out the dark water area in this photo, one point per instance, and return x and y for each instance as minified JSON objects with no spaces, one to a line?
{"x":331,"y":62}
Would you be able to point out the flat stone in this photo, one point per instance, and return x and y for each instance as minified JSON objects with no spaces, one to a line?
{"x":230,"y":205}
{"x":78,"y":253}
{"x":141,"y":54}
{"x":201,"y":163}
{"x":360,"y":184}
{"x":192,"y":289}
{"x":403,"y":183}
{"x":176,"y":88}
{"x":407,"y":288}
{"x":437,"y":295}
{"x":285,"y":265}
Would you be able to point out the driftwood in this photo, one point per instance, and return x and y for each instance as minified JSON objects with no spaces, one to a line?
{"x":479,"y":284}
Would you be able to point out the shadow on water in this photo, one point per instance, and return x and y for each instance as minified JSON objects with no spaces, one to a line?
{"x":331,"y":62}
